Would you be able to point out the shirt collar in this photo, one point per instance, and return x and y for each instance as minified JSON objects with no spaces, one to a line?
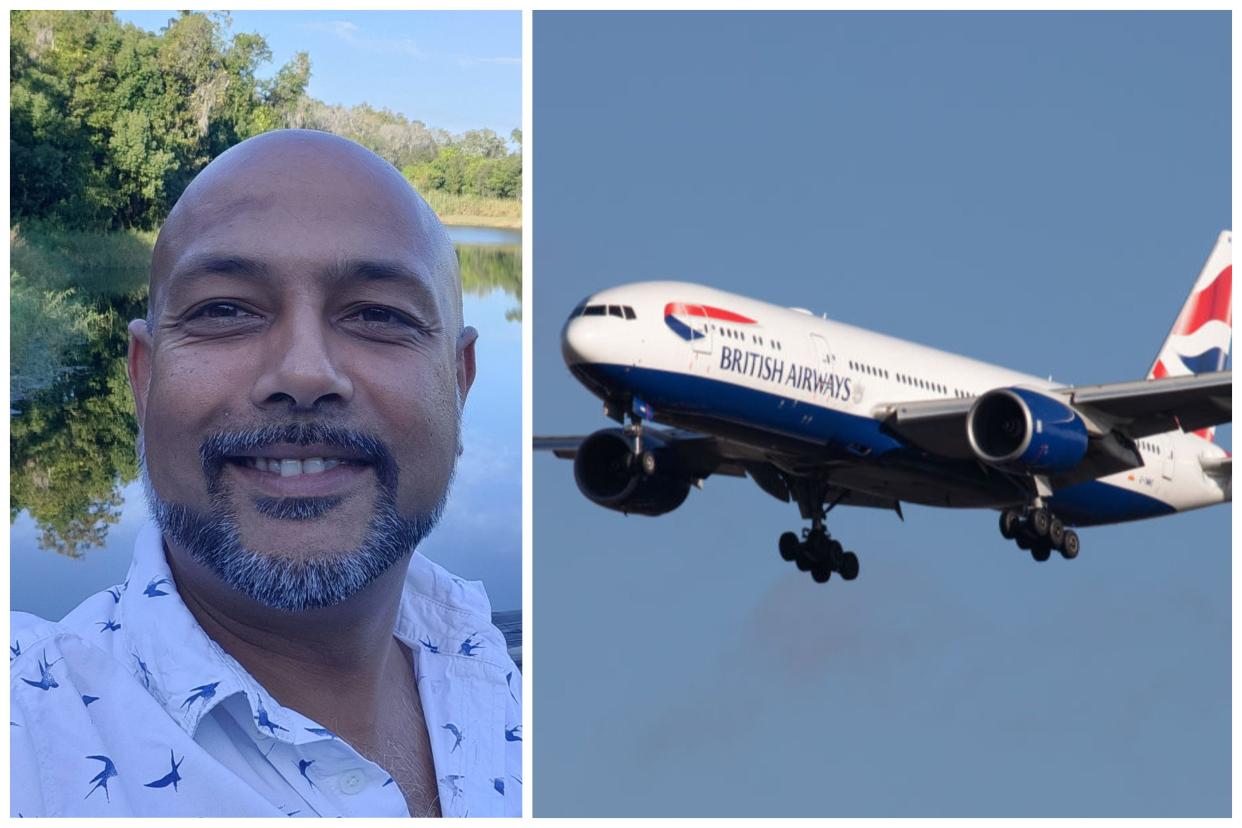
{"x":189,"y":673}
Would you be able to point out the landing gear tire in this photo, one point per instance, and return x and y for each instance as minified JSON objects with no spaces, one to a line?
{"x":1010,"y":521}
{"x":849,"y":566}
{"x":1069,"y":546}
{"x":821,"y":573}
{"x":788,"y":545}
{"x":1056,"y":532}
{"x":803,"y":561}
{"x":1041,"y":522}
{"x":1041,"y":551}
{"x":647,"y":461}
{"x":1022,"y":539}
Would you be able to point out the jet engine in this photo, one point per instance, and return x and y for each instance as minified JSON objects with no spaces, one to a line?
{"x":610,"y":474}
{"x":1020,"y":430}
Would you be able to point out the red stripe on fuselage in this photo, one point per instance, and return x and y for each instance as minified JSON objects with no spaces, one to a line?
{"x":1213,"y":302}
{"x":706,"y":311}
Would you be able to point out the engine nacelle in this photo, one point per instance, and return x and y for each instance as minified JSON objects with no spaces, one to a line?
{"x":1024,"y":431}
{"x":609,"y":474}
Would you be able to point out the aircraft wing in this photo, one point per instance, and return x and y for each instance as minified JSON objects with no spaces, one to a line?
{"x":702,"y":456}
{"x":1130,"y":409}
{"x":1146,"y":407}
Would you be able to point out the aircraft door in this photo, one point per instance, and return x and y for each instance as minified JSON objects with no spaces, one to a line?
{"x":823,"y":356}
{"x":701,"y":344}
{"x":1166,"y":461}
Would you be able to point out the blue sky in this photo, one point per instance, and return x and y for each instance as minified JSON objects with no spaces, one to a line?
{"x":452,"y":70}
{"x":1036,"y":190}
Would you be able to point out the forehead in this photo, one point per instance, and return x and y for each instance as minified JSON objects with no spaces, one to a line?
{"x":299,"y":216}
{"x":300,"y":213}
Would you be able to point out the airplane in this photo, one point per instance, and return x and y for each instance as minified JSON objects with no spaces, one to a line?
{"x":823,"y":414}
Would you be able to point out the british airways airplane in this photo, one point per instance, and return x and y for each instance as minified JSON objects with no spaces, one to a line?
{"x":825,"y":414}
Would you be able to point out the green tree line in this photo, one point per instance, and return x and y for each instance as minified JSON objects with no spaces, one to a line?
{"x":110,"y":122}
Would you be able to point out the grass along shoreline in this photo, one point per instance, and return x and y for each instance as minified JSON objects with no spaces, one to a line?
{"x":475,"y":211}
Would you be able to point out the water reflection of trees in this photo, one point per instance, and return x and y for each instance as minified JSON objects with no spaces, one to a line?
{"x":493,"y":267}
{"x":72,"y":444}
{"x":72,"y":437}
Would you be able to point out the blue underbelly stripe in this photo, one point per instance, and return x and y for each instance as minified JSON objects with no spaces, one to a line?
{"x":688,"y":394}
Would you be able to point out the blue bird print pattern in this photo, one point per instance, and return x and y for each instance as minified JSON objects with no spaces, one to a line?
{"x":15,"y":649}
{"x":431,"y":648}
{"x":170,"y":778}
{"x":142,"y":668}
{"x":203,"y":691}
{"x":101,"y":779}
{"x":264,"y":721}
{"x":303,"y":764}
{"x":499,"y":784}
{"x":109,"y":625}
{"x":451,"y":781}
{"x":509,"y":681}
{"x":321,"y":731}
{"x":116,"y":594}
{"x":46,"y":680}
{"x":153,"y":589}
{"x":468,"y":646}
{"x":86,"y":700}
{"x":512,"y":735}
{"x":452,"y":728}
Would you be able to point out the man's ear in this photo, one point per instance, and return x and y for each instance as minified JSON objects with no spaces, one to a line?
{"x":465,"y":362}
{"x":140,"y":344}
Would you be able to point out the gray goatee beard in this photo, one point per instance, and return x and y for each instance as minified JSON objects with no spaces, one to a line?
{"x":278,"y":581}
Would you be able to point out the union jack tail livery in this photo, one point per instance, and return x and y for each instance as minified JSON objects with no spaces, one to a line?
{"x":1199,"y":341}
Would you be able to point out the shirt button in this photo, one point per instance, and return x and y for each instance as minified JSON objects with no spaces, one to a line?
{"x":352,"y":781}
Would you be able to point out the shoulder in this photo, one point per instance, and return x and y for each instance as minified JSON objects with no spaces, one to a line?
{"x":452,"y":615}
{"x":429,"y":581}
{"x":96,"y":615}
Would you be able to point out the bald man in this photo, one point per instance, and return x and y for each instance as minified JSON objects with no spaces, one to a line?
{"x":279,"y":647}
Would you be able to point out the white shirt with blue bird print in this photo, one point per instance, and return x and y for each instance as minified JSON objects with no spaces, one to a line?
{"x":127,"y":708}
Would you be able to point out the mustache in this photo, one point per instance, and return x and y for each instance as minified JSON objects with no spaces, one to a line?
{"x":217,"y":448}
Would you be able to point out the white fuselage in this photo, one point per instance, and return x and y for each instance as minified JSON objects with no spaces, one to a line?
{"x":775,"y":369}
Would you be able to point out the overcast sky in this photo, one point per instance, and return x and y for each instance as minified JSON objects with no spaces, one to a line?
{"x":1035,"y":190}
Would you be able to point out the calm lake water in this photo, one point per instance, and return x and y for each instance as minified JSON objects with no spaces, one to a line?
{"x":76,"y":504}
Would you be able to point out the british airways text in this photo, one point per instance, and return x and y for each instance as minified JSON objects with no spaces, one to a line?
{"x":773,"y":369}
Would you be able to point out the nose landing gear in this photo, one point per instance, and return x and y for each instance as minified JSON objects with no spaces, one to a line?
{"x":1039,"y":531}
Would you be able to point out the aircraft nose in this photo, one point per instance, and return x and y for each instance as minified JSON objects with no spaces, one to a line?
{"x":582,"y":340}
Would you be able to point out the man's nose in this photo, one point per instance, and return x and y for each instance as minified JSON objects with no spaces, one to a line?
{"x":298,"y":366}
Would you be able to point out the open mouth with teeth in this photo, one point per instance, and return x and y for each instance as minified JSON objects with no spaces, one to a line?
{"x":287,"y":467}
{"x":321,"y":475}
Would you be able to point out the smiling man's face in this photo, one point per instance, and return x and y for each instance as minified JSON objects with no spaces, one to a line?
{"x":301,"y":384}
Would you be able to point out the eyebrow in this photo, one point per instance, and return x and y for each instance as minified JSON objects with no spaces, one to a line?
{"x":215,"y":264}
{"x":342,"y":270}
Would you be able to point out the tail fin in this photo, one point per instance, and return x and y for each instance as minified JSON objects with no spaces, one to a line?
{"x":1199,"y":341}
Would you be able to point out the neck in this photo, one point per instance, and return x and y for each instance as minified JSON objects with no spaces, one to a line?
{"x":321,"y":662}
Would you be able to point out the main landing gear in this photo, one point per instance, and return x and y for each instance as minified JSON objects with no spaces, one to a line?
{"x":817,"y":552}
{"x":1039,"y":531}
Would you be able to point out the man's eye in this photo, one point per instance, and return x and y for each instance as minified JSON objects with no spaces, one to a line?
{"x":218,"y":310}
{"x":384,"y":317}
